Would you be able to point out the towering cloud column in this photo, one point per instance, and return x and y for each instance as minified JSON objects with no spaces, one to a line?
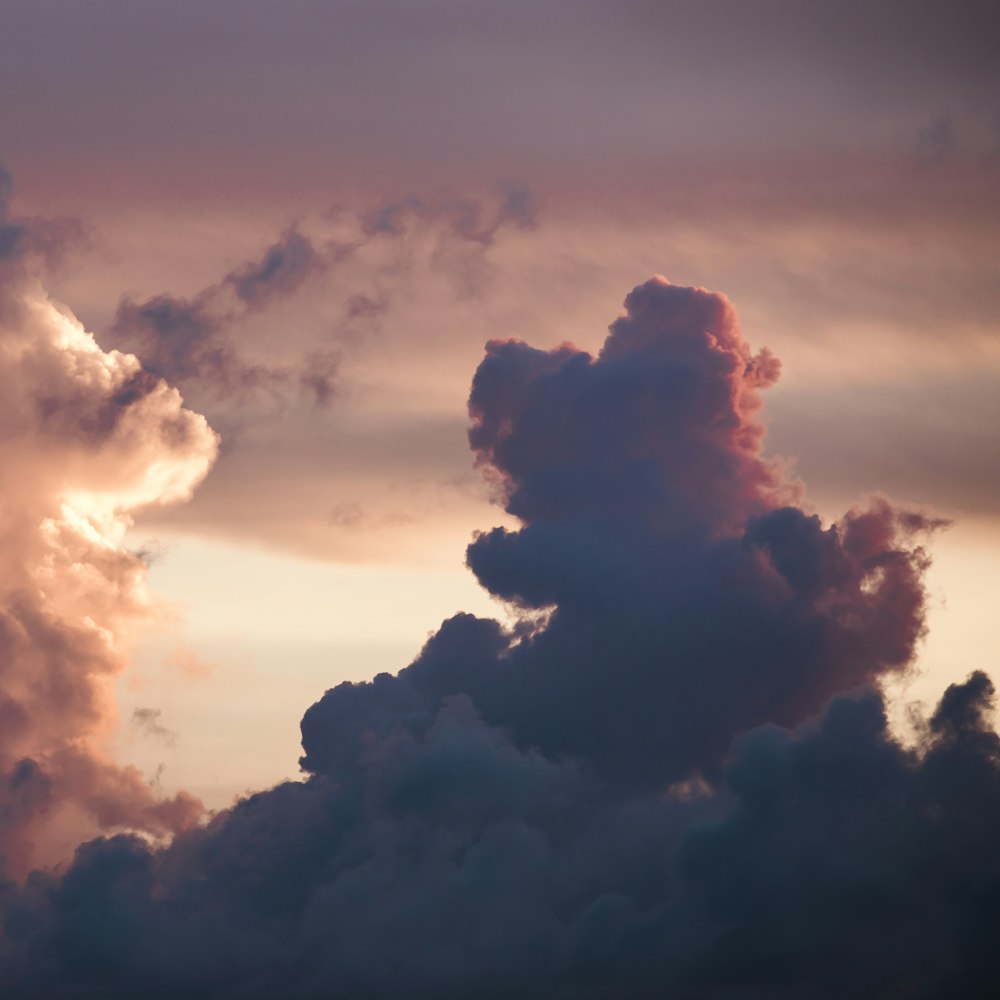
{"x":85,"y":439}
{"x":689,"y":596}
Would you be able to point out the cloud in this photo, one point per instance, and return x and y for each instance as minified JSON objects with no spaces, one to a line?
{"x":671,"y":776}
{"x":870,"y":864}
{"x":200,"y":342}
{"x":45,"y":239}
{"x":188,"y":341}
{"x":174,"y":336}
{"x":21,"y":238}
{"x":148,"y":721}
{"x":89,"y":438}
{"x":284,"y":267}
{"x":679,"y":577}
{"x":470,"y":220}
{"x":12,"y":236}
{"x":320,"y":376}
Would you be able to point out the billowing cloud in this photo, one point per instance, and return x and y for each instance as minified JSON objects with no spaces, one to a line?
{"x":687,"y":600}
{"x":673,"y":776}
{"x":88,"y":438}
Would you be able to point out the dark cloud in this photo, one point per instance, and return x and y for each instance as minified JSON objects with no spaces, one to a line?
{"x":172,"y":337}
{"x":187,"y":343}
{"x":281,"y":270}
{"x":872,"y":864}
{"x":672,"y":777}
{"x":681,"y":581}
{"x":832,"y":863}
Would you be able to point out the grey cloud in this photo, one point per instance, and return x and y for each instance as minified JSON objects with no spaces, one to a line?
{"x":194,"y":341}
{"x":281,"y":270}
{"x":173,"y":338}
{"x":189,"y":339}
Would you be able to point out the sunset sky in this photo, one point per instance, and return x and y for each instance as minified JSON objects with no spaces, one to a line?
{"x":300,"y":223}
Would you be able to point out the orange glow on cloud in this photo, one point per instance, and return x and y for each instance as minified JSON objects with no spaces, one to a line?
{"x":89,"y":439}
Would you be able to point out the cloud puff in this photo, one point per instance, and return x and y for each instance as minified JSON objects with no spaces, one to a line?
{"x":649,"y":786}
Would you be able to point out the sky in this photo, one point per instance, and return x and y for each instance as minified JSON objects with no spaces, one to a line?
{"x":510,"y":488}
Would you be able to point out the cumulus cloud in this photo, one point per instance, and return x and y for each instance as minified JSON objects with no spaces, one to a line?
{"x":689,"y":600}
{"x":672,"y":776}
{"x":88,"y":438}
